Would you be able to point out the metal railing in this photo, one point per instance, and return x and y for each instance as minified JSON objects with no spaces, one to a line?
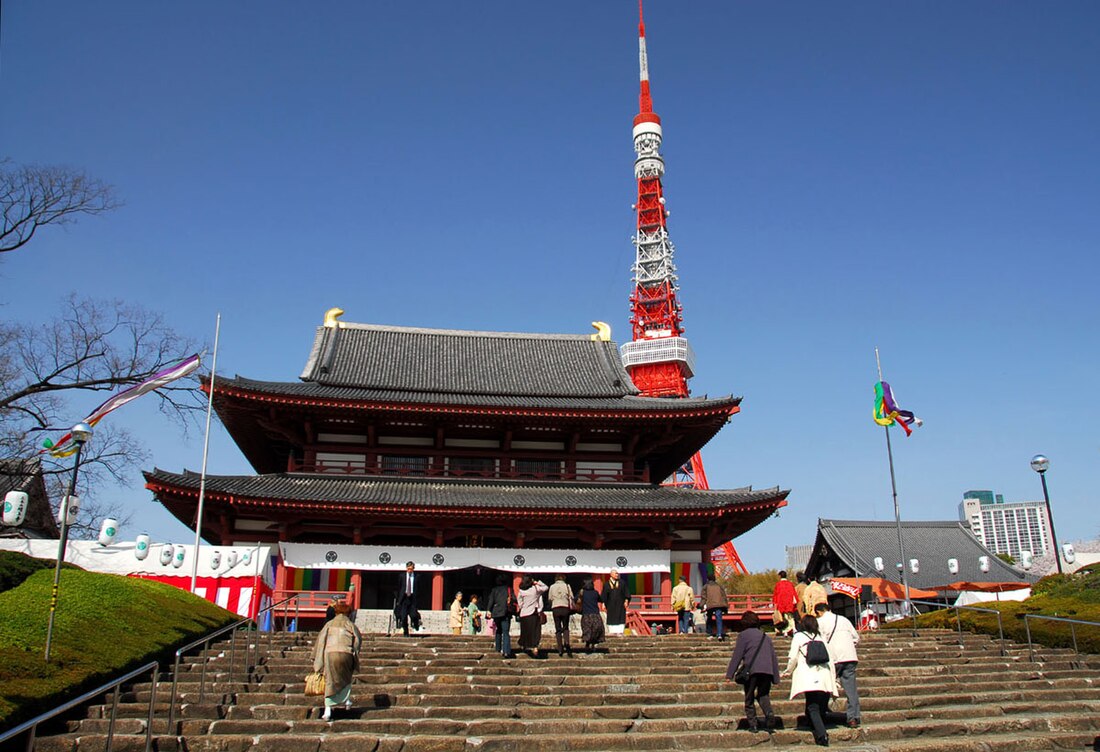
{"x":232,"y":629}
{"x":31,"y":726}
{"x":958,"y":620}
{"x":1072,"y":630}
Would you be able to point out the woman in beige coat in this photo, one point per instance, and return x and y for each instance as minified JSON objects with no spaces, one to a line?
{"x":337,"y":654}
{"x":817,"y":684}
{"x":457,"y":614}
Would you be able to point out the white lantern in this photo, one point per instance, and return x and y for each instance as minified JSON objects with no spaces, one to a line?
{"x":246,"y":557}
{"x":180,"y":555}
{"x":953,"y":566}
{"x":166,"y":552}
{"x":1025,"y":559}
{"x":141,"y":547}
{"x":15,"y":507}
{"x":1068,"y":553}
{"x":983,"y":563}
{"x":879,"y":564}
{"x":70,"y":508}
{"x":914,"y":566}
{"x":215,"y":559}
{"x":231,"y":558}
{"x":107,"y":531}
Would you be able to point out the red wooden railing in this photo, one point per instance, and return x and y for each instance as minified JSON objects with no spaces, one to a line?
{"x":646,"y":609}
{"x":309,"y":603}
{"x":376,"y":469}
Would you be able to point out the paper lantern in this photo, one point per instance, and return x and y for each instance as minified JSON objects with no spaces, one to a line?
{"x":983,"y":563}
{"x":231,"y":558}
{"x":914,"y":566}
{"x":215,"y":559}
{"x":1025,"y":559}
{"x":108,"y":529}
{"x":879,"y":564}
{"x":246,"y":557}
{"x":180,"y":555}
{"x":15,"y":507}
{"x":953,"y":566}
{"x":141,"y":547}
{"x":1068,"y":553}
{"x":70,"y":508}
{"x":166,"y":552}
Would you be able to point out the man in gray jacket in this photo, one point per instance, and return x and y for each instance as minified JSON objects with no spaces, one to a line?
{"x":841,"y":638}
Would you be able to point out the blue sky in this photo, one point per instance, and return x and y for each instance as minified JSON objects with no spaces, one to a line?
{"x":920,"y":177}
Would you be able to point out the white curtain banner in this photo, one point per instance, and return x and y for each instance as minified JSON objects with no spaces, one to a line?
{"x":393,"y":559}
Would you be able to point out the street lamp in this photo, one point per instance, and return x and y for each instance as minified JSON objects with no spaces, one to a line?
{"x":1040,"y":464}
{"x":80,"y":433}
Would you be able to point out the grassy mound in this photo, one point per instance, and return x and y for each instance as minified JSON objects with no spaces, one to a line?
{"x":1067,"y":596}
{"x":105,"y":624}
{"x":16,"y":567}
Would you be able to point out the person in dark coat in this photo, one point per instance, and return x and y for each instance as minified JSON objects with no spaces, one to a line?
{"x":497,"y":606}
{"x":404,"y":600}
{"x":757,"y":651}
{"x":616,"y":595}
{"x":591,"y":621}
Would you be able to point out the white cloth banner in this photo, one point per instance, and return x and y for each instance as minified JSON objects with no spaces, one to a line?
{"x":393,"y":559}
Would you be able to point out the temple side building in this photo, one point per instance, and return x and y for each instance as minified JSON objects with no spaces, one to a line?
{"x":469,"y":453}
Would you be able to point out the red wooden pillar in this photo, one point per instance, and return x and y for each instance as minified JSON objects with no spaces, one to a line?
{"x":356,"y":588}
{"x":280,"y":580}
{"x":437,"y":591}
{"x":597,"y":582}
{"x":666,"y":588}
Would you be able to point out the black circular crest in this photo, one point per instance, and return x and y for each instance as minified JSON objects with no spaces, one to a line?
{"x":384,"y":557}
{"x":570,"y":561}
{"x":437,"y":559}
{"x":621,"y":561}
{"x":330,"y":556}
{"x":518,"y":560}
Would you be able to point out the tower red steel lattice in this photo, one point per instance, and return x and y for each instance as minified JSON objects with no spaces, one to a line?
{"x":659,"y":358}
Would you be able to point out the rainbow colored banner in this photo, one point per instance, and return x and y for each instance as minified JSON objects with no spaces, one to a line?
{"x":318,"y":579}
{"x":644,"y":583}
{"x":696,"y":574}
{"x":887,"y":412}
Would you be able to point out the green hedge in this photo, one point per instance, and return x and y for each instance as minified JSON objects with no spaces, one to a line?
{"x":16,"y":567}
{"x":105,"y":625}
{"x":1067,"y":596}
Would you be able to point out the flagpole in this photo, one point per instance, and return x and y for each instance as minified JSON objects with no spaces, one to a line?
{"x":897,"y":509}
{"x":205,"y":452}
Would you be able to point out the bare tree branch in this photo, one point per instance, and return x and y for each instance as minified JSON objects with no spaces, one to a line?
{"x":33,"y":196}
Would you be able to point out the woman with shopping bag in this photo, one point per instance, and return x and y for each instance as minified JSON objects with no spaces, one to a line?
{"x":336,"y":657}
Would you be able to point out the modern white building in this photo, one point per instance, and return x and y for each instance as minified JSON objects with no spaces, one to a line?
{"x":1006,"y":527}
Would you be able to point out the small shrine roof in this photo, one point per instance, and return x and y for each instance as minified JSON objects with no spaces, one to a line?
{"x":455,"y":362}
{"x":401,"y":493}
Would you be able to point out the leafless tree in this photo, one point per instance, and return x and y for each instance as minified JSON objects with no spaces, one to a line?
{"x":33,"y":196}
{"x":91,"y":346}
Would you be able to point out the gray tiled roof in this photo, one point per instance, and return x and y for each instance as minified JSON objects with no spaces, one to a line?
{"x":931,"y":543}
{"x":404,"y":492}
{"x":626,"y":403}
{"x":444,"y":361}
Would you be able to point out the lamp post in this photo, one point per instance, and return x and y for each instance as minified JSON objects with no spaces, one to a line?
{"x":1040,"y":464}
{"x":81,"y":432}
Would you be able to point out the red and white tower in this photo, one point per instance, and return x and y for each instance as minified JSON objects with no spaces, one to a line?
{"x":659,"y":358}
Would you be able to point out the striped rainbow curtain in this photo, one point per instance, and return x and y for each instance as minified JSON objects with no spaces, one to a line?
{"x":644,"y":583}
{"x":318,"y":579}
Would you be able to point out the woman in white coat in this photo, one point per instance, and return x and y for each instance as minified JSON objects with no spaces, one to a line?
{"x":817,"y":684}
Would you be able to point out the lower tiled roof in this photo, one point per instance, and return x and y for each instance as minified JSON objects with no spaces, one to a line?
{"x":457,"y":493}
{"x":626,"y":403}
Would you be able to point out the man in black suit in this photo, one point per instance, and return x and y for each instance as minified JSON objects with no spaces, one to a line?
{"x":404,"y":605}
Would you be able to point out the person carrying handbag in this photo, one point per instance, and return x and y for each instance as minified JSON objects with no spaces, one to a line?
{"x":561,"y":600}
{"x":336,"y":652}
{"x":531,"y":617}
{"x":755,"y":665}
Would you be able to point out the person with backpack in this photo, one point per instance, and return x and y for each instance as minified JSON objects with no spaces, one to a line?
{"x":811,"y":672}
{"x":683,"y":603}
{"x":501,"y":607}
{"x":756,"y":666}
{"x":842,"y":638}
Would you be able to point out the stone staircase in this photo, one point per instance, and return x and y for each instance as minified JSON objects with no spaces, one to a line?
{"x":450,"y":693}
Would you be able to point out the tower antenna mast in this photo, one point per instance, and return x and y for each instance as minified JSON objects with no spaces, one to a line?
{"x":659,"y":358}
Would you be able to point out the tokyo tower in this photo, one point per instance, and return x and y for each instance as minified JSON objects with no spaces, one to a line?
{"x":659,"y":358}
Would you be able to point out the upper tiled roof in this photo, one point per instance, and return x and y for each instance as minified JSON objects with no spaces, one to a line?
{"x":443,"y":361}
{"x":626,"y":403}
{"x":858,"y":542}
{"x":455,"y":493}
